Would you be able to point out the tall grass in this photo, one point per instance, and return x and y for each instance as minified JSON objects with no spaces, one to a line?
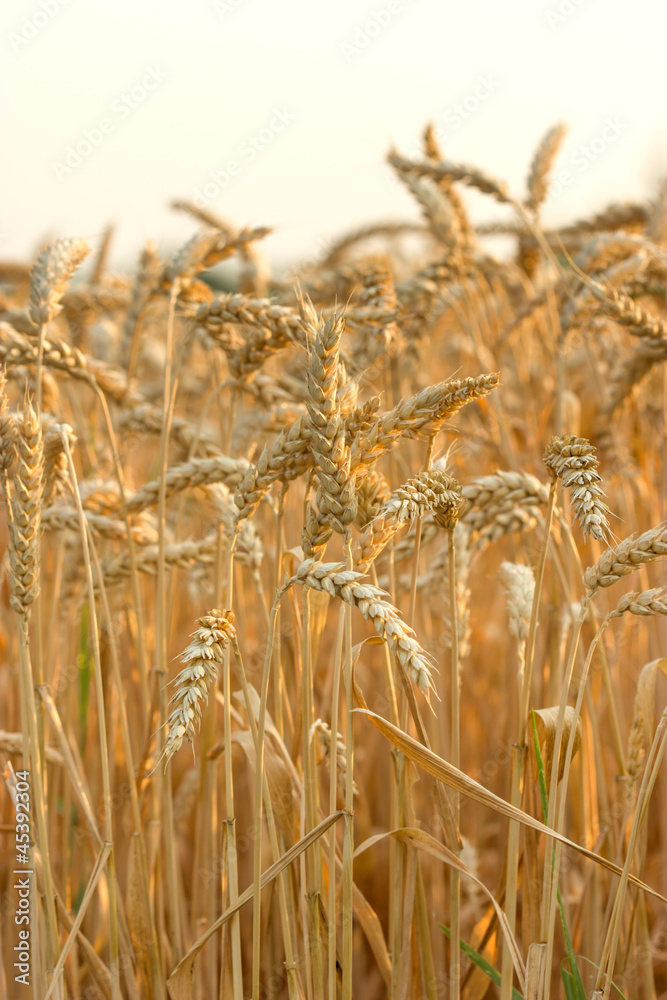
{"x":431,"y":718}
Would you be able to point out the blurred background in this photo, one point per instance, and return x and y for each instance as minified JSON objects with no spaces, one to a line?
{"x":281,"y":114}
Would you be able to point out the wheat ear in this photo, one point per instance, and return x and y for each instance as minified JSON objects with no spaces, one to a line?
{"x":24,"y":526}
{"x":50,"y":275}
{"x":349,"y":586}
{"x":433,"y":491}
{"x":335,"y":496}
{"x":202,"y":658}
{"x":626,"y":557}
{"x":573,"y":460}
{"x":540,"y":168}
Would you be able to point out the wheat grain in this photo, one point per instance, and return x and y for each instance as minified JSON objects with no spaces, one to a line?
{"x":145,"y":282}
{"x":56,"y":472}
{"x":432,"y":152}
{"x":501,"y":503}
{"x":204,"y":250}
{"x":372,"y":492}
{"x":360,"y":419}
{"x":322,"y":731}
{"x":286,"y":459}
{"x":188,"y":436}
{"x":540,"y":168}
{"x":202,"y":658}
{"x":348,"y":585}
{"x":374,"y":538}
{"x":378,"y":299}
{"x":438,"y":211}
{"x":646,"y":603}
{"x":17,"y":350}
{"x":249,"y":550}
{"x":466,"y":174}
{"x":7,"y":431}
{"x":62,"y":518}
{"x":188,"y":475}
{"x":519,"y":582}
{"x":624,"y":310}
{"x":435,"y":491}
{"x":626,"y":557}
{"x":335,"y":496}
{"x":52,"y":271}
{"x":573,"y":460}
{"x":25,"y":507}
{"x":421,"y":415}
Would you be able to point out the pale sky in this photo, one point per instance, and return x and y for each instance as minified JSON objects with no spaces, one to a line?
{"x":111,"y":110}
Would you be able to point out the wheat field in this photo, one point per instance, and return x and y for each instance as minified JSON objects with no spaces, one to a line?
{"x":333,"y":623}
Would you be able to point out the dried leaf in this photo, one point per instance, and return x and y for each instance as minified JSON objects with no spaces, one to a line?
{"x":372,"y":928}
{"x":180,"y":983}
{"x":425,"y":842}
{"x":645,"y":697}
{"x":452,"y":777}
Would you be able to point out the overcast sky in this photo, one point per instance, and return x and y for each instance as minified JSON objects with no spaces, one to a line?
{"x":281,"y":112}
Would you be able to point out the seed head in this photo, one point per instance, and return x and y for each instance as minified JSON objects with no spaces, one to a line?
{"x":573,"y":460}
{"x":202,"y":656}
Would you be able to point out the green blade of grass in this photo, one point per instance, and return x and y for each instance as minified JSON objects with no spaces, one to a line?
{"x":84,"y":665}
{"x":572,"y":984}
{"x":481,"y":963}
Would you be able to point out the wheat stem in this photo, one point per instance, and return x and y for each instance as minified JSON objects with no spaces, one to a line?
{"x":654,"y":761}
{"x":333,"y":802}
{"x":519,"y":752}
{"x":259,"y":787}
{"x":348,"y":830}
{"x":102,"y":732}
{"x":455,"y":757}
{"x":156,"y":973}
{"x":283,"y":886}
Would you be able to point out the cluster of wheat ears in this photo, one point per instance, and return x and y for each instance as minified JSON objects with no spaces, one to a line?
{"x":400,"y":519}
